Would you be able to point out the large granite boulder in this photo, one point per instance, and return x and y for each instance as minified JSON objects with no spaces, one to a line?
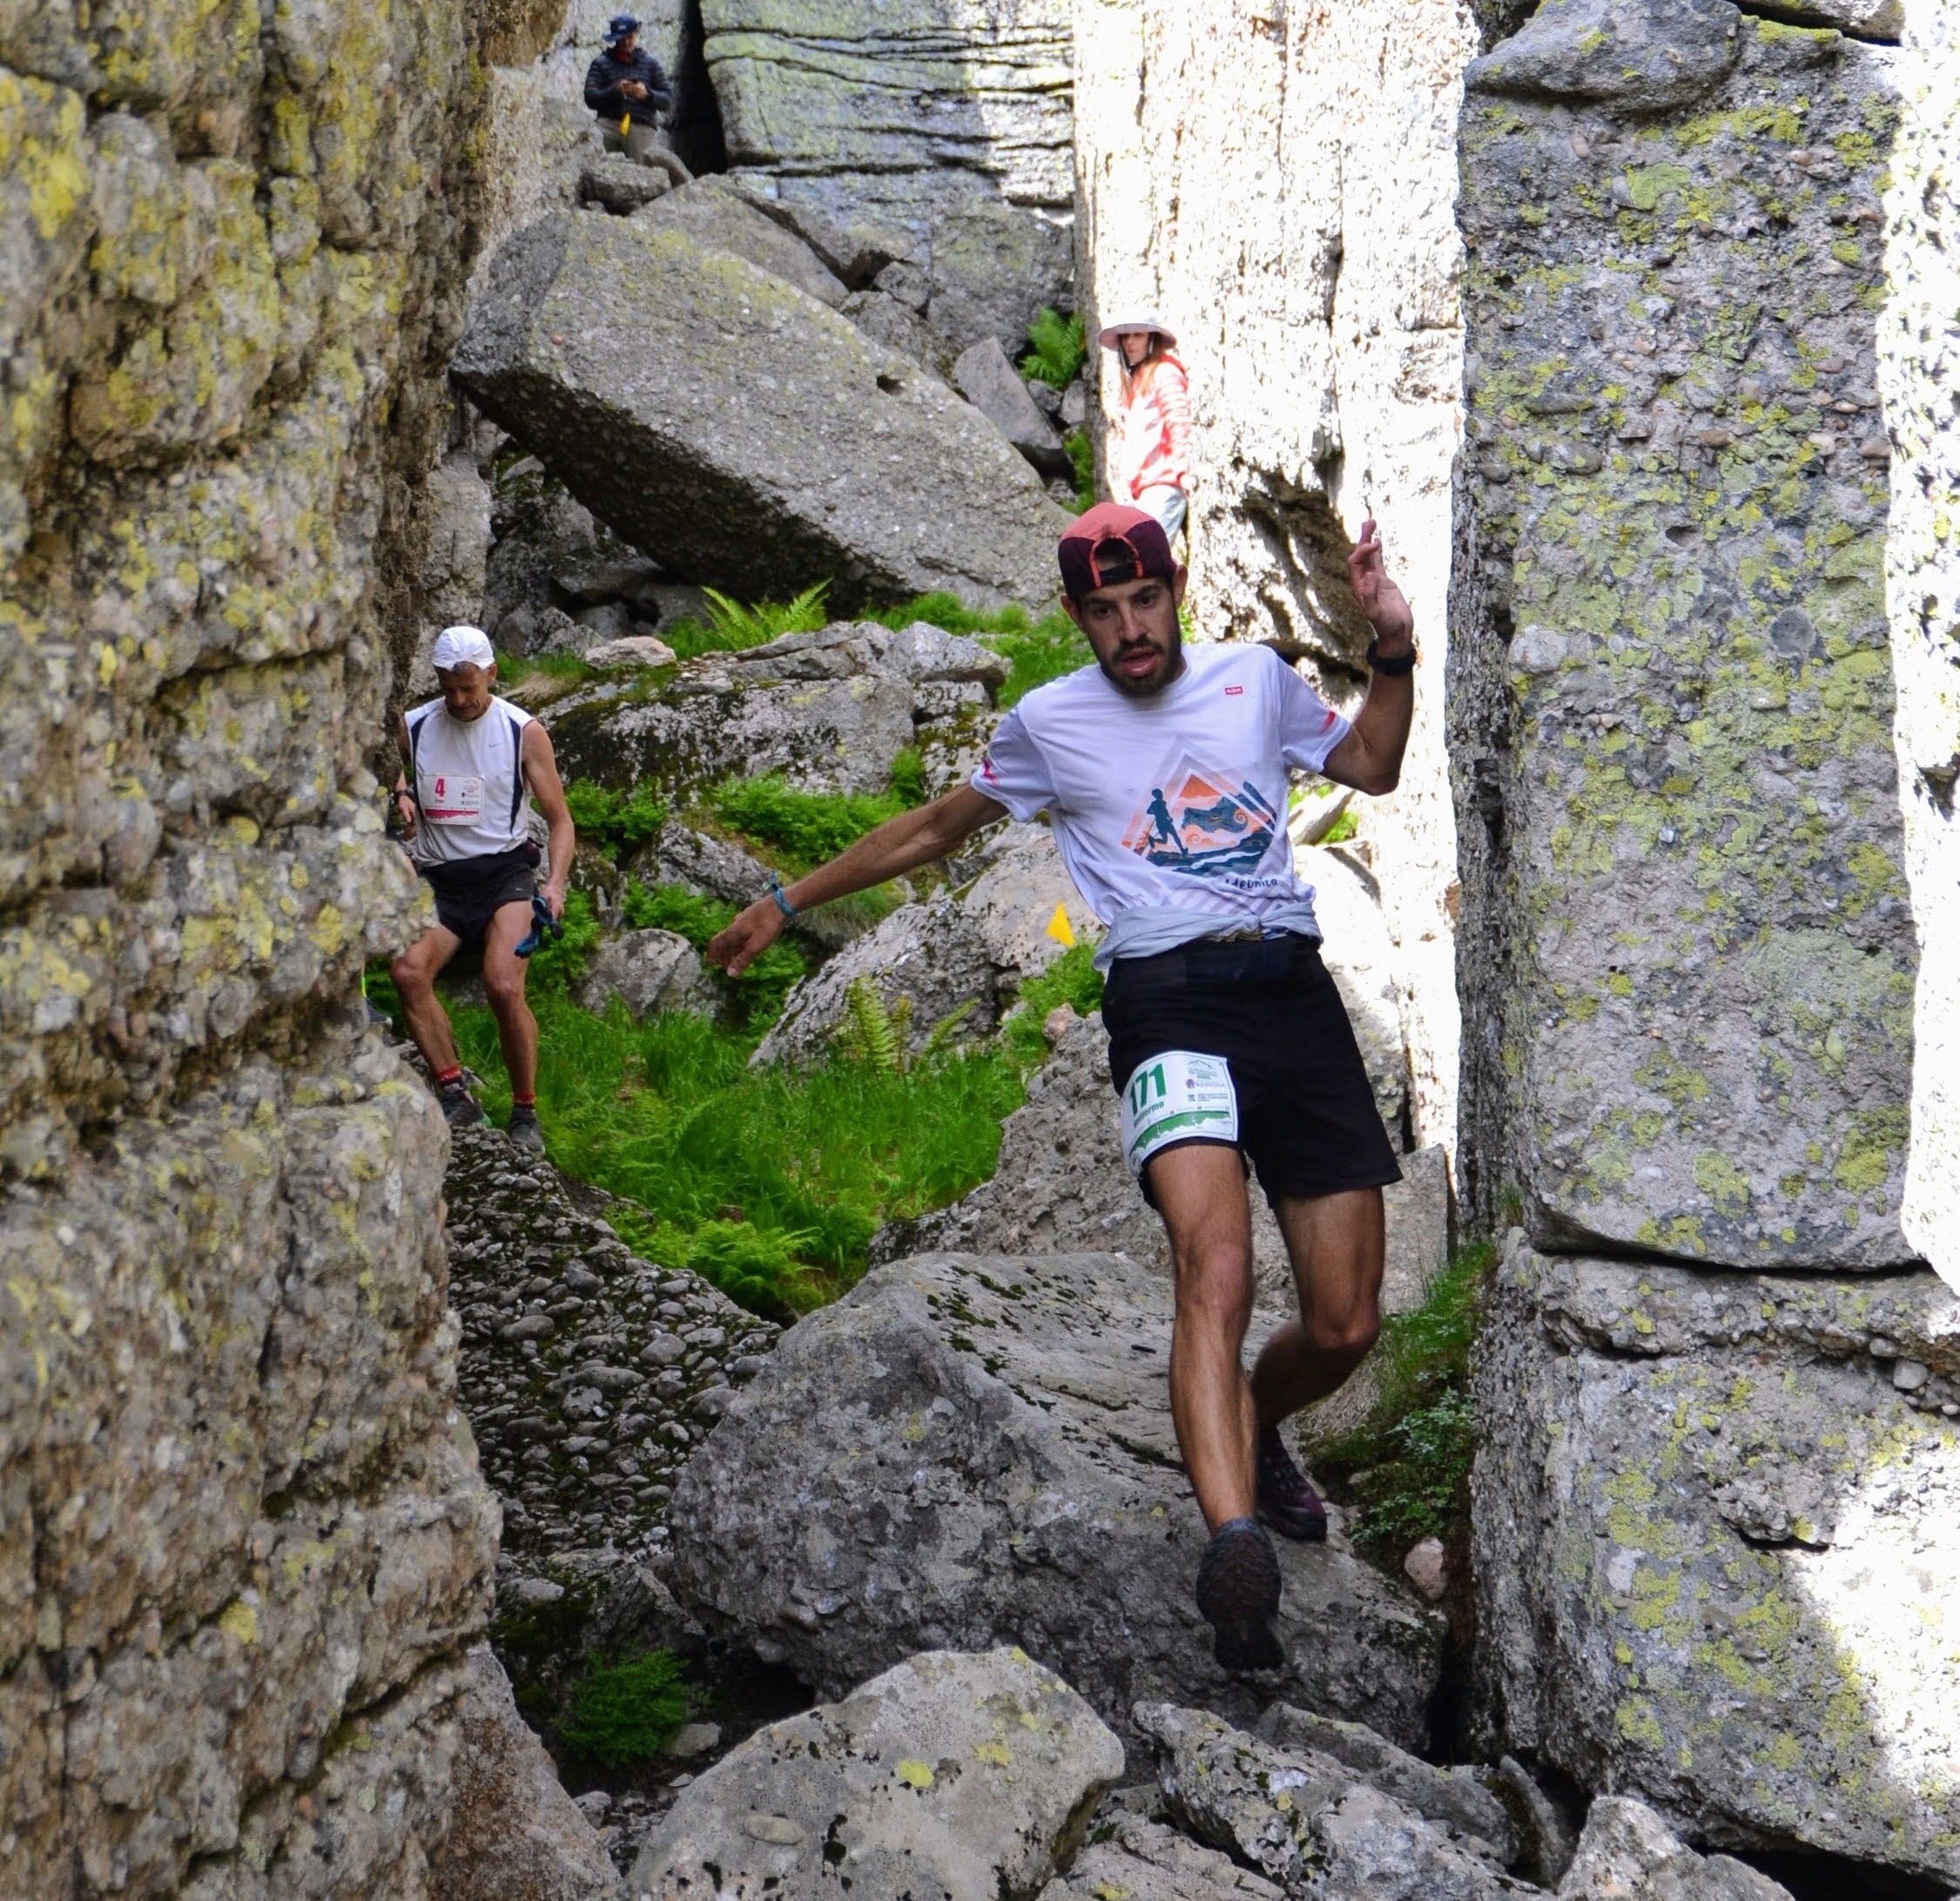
{"x":951,"y":965}
{"x":1308,"y":1822}
{"x":1014,"y":900}
{"x":1642,"y":58}
{"x":829,"y":711}
{"x":719,"y":215}
{"x":697,"y":861}
{"x":754,"y":440}
{"x":967,"y":1777}
{"x":1135,"y":1859}
{"x":926,"y":966}
{"x":1367,"y":969}
{"x":1688,"y":953}
{"x":972,"y":1450}
{"x":649,"y":971}
{"x":983,"y":375}
{"x":950,"y":128}
{"x":1627,"y":1849}
{"x":1717,"y":1522}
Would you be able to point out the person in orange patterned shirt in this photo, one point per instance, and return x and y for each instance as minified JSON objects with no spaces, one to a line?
{"x":1150,"y":459}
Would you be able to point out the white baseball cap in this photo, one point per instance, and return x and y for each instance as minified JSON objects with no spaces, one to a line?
{"x":1125,"y":326}
{"x":463,"y":646}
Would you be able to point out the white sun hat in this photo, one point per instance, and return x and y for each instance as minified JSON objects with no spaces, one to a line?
{"x":463,"y":646}
{"x":1127,"y":325}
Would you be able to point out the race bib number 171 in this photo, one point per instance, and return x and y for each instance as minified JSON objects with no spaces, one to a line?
{"x":1177,"y":1096}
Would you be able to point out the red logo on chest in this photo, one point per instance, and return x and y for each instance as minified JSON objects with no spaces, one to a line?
{"x":1230,"y":690}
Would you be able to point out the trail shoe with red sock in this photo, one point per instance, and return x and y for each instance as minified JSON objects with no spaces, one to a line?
{"x":1287,"y":1502}
{"x":460,"y":1108}
{"x":1238,"y":1596}
{"x":524,"y":1132}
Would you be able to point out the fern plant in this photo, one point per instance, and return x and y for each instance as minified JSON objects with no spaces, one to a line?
{"x":736,"y":626}
{"x":870,"y":1033}
{"x":1057,"y":347}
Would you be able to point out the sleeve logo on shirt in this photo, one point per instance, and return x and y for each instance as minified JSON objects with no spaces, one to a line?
{"x":987,"y":772}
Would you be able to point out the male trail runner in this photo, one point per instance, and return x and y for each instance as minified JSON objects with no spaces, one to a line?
{"x":471,"y":763}
{"x":1226,"y":1036}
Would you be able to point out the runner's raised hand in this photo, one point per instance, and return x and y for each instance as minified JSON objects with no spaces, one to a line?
{"x":1387,"y":610}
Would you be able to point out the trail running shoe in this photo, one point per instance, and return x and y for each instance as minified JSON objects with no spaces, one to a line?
{"x":1287,"y":1502}
{"x":460,"y":1108}
{"x":1238,"y":1593}
{"x":524,"y":1132}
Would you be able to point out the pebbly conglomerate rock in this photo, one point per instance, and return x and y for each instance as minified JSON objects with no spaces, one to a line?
{"x":589,"y":1374}
{"x":969,"y":1450}
{"x":1687,"y":954}
{"x":754,"y":440}
{"x":1714,"y":1539}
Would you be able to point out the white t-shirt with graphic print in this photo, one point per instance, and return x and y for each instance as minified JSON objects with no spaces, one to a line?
{"x":1170,"y":812}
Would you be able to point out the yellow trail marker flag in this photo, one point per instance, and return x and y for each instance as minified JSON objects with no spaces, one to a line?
{"x":1058,"y":929}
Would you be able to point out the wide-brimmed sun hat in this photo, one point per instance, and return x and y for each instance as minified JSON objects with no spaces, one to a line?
{"x":1125,"y":326}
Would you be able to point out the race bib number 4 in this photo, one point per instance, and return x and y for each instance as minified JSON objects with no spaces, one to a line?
{"x":453,"y":799}
{"x":1178,"y":1096}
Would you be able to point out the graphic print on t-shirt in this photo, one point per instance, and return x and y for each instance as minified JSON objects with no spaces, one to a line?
{"x":1198,"y":819}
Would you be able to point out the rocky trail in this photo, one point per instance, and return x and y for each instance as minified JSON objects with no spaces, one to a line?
{"x":771,"y":1491}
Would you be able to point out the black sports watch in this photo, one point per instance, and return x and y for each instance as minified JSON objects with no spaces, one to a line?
{"x":1396,"y":665}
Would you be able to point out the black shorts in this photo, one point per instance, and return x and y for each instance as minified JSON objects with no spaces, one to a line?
{"x":469,"y":891}
{"x":1307,"y":1120}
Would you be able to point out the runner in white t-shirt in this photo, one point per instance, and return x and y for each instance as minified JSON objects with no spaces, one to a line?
{"x":1165,"y":775}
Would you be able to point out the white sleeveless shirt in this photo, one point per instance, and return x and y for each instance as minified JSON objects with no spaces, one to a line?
{"x":470,"y":796}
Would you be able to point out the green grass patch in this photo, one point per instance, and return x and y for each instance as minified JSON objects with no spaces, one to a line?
{"x":512,"y":672}
{"x":1408,"y":1462}
{"x":614,"y":821}
{"x":1057,"y":348}
{"x":810,"y":1163}
{"x":626,"y":1707}
{"x":806,"y":828}
{"x":1072,"y":979}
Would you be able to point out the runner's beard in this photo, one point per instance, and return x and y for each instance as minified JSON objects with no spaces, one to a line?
{"x":1151,"y":683}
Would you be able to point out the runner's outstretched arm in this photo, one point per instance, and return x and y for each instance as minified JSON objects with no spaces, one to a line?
{"x":898,"y":846}
{"x":1370,"y":757}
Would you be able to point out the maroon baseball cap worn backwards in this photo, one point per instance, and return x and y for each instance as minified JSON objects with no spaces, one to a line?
{"x":1112,"y":543}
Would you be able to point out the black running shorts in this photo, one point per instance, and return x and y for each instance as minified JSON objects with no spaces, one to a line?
{"x":1307,"y":1122}
{"x":469,"y":891}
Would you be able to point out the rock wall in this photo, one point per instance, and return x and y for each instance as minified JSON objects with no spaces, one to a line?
{"x":1919,"y":366}
{"x":1718,"y":1519}
{"x":242,"y":1540}
{"x":946,"y":120}
{"x":1688,"y":953}
{"x":1713,"y":1508}
{"x":1279,"y":183}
